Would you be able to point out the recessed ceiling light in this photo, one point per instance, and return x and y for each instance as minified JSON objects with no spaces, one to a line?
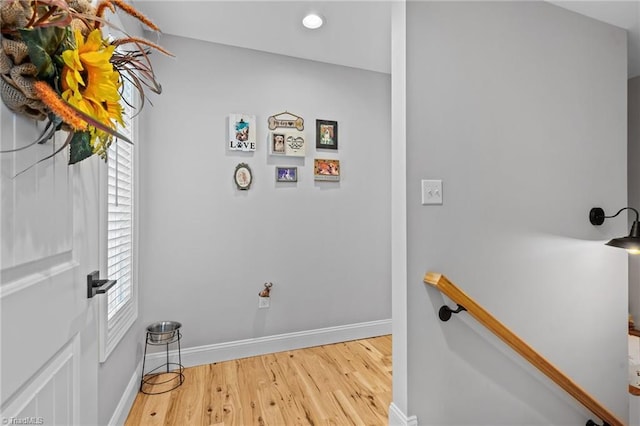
{"x":312,"y":21}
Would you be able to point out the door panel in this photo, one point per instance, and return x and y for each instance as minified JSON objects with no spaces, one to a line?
{"x":50,"y":397}
{"x":36,"y":206}
{"x":49,"y":232}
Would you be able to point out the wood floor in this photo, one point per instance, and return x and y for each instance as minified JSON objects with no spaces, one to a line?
{"x":343,"y":384}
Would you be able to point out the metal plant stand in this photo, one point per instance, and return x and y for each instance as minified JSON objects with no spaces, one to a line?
{"x":163,"y":333}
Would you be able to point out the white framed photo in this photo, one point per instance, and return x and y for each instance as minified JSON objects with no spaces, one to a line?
{"x":294,"y":144}
{"x":242,"y":132}
{"x":276,"y":143}
{"x":288,"y":143}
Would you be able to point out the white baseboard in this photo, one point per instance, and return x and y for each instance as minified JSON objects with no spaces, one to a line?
{"x":398,"y":418}
{"x":128,"y":397}
{"x":202,"y":355}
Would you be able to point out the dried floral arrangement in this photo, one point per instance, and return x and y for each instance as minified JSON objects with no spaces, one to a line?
{"x":56,"y":65}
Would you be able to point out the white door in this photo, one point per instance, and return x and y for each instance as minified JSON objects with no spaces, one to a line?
{"x":49,"y":229}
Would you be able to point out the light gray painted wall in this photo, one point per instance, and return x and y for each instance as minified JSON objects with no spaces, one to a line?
{"x":634,"y":190}
{"x":114,"y":374}
{"x":207,"y":248}
{"x":520,"y":107}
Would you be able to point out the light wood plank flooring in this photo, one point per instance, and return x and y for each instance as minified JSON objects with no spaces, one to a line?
{"x":343,"y":384}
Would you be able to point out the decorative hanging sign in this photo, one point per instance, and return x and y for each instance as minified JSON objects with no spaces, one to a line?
{"x":242,"y":132}
{"x":286,"y":120}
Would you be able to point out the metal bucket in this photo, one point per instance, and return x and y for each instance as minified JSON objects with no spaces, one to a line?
{"x":163,"y":331}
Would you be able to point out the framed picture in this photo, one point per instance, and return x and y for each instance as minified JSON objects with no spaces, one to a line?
{"x":286,"y":174}
{"x":294,"y":145}
{"x":242,"y":132}
{"x":276,"y":143}
{"x":324,"y":169}
{"x":289,"y":143}
{"x":326,"y":134}
{"x":242,"y":176}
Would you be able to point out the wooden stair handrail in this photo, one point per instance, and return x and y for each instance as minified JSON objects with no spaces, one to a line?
{"x":458,"y":296}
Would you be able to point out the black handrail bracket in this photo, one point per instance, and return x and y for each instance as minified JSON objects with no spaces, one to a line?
{"x":445,"y":312}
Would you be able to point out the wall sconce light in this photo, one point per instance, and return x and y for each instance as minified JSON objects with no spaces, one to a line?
{"x":631,"y":242}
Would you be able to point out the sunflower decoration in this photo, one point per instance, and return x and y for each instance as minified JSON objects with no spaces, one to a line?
{"x":56,"y":65}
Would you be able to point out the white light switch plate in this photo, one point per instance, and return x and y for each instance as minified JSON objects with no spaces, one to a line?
{"x":431,"y":192}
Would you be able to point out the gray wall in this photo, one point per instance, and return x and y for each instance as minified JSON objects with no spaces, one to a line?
{"x":634,"y":190}
{"x":206,"y":248}
{"x":520,"y":107}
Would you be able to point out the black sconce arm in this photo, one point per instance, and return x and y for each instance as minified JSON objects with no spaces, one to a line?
{"x":625,"y":208}
{"x":597,"y":216}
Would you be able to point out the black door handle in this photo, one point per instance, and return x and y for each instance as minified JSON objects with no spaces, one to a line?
{"x":97,"y":286}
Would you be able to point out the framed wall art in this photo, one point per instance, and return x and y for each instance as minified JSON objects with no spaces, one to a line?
{"x":242,"y":176}
{"x":287,"y":136}
{"x":289,"y":143}
{"x":326,"y":134}
{"x":277,"y":143}
{"x":325,"y":169}
{"x":286,"y":174}
{"x":294,"y":144}
{"x":242,"y":132}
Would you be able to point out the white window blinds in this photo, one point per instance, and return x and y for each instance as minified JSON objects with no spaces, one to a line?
{"x":120,"y":240}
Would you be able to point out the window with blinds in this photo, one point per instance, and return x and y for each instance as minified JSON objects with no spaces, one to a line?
{"x":119,"y":225}
{"x":119,"y":310}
